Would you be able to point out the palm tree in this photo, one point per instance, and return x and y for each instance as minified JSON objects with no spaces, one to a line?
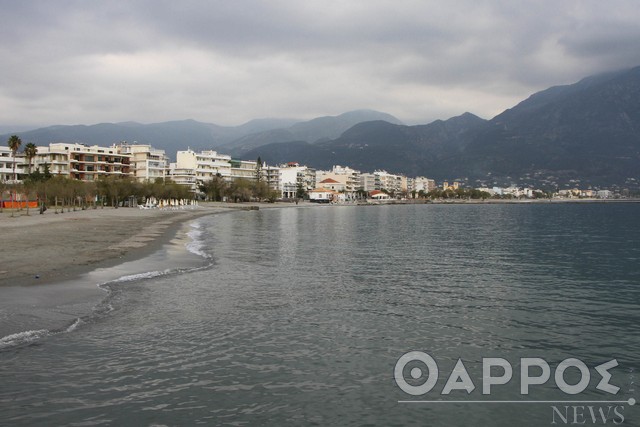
{"x":14,"y":143}
{"x":30,"y":151}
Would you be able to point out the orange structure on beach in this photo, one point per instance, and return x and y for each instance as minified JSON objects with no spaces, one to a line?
{"x":8,"y":204}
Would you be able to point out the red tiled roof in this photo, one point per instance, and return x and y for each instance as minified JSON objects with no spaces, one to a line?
{"x":329,"y":181}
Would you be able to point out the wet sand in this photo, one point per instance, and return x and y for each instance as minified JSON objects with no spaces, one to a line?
{"x":40,"y":249}
{"x":51,"y":264}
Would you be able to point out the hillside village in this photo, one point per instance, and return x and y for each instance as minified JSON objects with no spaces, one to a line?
{"x":197,"y":172}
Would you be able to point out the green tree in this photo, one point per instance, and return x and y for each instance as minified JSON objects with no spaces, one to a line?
{"x":240,"y":190}
{"x":301,"y":192}
{"x":261,"y":190}
{"x":214,"y":189}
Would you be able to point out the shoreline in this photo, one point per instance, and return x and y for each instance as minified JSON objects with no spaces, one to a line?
{"x":42,"y":249}
{"x":50,"y":250}
{"x":69,"y":293}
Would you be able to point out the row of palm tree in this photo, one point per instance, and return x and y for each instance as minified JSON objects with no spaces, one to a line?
{"x":30,"y":150}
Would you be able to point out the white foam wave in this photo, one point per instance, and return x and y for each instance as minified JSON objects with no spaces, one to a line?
{"x":22,"y":338}
{"x":139,"y":276}
{"x":196,"y":246}
{"x":74,"y":325}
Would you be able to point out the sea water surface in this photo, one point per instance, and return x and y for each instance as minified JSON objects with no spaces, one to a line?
{"x":304,"y":312}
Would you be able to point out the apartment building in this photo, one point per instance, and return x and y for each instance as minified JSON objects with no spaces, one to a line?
{"x":206,"y":164}
{"x":82,"y":162}
{"x":350,"y":178}
{"x":245,"y":169}
{"x":292,"y":176}
{"x":420,"y":183}
{"x":183,"y":176}
{"x":147,"y":163}
{"x":271,"y":175}
{"x":369,"y":182}
{"x":7,"y":162}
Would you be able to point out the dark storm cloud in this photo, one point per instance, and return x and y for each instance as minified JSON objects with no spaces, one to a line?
{"x":230,"y":61}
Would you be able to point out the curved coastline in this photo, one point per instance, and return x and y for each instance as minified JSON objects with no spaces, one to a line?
{"x":55,"y":287}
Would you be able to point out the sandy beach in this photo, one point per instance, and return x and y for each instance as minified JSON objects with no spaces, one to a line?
{"x":40,"y":249}
{"x":47,"y":248}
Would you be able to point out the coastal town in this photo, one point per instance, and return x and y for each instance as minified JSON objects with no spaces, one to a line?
{"x":215,"y":176}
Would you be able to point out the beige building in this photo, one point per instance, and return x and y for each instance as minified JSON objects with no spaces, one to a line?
{"x":350,"y":178}
{"x":331,"y":184}
{"x":245,"y":169}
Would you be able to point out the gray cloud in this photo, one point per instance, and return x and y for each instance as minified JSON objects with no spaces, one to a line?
{"x":228,"y":62}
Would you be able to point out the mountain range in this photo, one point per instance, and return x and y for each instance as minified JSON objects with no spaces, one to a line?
{"x":582,"y":134}
{"x":178,"y":135}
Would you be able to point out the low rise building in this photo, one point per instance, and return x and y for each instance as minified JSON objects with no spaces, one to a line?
{"x":322,"y":195}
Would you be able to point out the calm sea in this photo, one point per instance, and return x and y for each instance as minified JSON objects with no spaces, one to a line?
{"x":302,"y":315}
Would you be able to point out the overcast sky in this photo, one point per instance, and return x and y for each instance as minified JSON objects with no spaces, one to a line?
{"x":226,"y":62}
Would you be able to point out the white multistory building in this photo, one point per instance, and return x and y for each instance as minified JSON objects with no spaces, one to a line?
{"x":183,"y":176}
{"x":271,"y":175}
{"x":369,"y":182}
{"x":7,"y":162}
{"x":206,"y":164}
{"x":147,"y":163}
{"x":421,"y":183}
{"x":391,"y":183}
{"x":244,"y":169}
{"x":82,"y":162}
{"x":294,"y":176}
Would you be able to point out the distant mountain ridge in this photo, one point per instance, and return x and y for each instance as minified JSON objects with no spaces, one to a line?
{"x":582,"y":134}
{"x":318,"y":129}
{"x":170,"y":136}
{"x":178,"y":135}
{"x":587,"y":133}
